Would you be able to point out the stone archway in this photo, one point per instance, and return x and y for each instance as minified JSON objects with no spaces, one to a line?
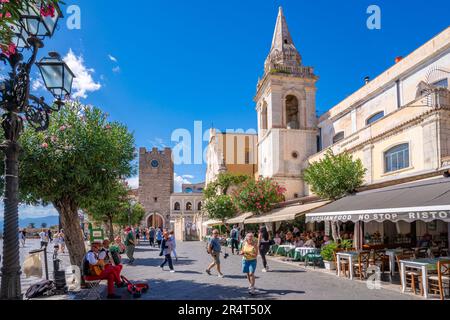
{"x":155,"y":220}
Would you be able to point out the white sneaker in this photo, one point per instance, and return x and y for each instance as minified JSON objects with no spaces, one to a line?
{"x":221,"y":276}
{"x":172,"y":271}
{"x":264,"y":270}
{"x":252,"y":291}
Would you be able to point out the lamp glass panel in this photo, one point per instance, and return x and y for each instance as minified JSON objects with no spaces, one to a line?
{"x":52,"y":74}
{"x":68,"y":80}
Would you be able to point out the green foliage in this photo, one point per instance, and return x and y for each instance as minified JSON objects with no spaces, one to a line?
{"x":10,"y":14}
{"x":220,"y":207}
{"x":328,"y":251}
{"x":259,"y":196}
{"x":335,"y":175}
{"x":32,"y":225}
{"x":111,"y":203}
{"x":346,"y":244}
{"x":43,"y":225}
{"x":137,"y":214}
{"x":223,"y":183}
{"x":79,"y":156}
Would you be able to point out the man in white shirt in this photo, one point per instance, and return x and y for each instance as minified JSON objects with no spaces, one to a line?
{"x":44,"y":238}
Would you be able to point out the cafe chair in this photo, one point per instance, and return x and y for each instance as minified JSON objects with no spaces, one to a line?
{"x":362,"y":265}
{"x":444,"y":253}
{"x":344,"y":263}
{"x":413,"y":277}
{"x":380,"y":259}
{"x":440,"y":282}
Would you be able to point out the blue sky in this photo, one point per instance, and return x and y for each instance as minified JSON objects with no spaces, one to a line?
{"x":161,"y":65}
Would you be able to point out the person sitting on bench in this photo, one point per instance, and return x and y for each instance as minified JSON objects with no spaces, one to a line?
{"x":95,"y":270}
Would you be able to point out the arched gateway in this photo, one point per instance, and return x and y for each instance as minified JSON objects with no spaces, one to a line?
{"x":154,"y":220}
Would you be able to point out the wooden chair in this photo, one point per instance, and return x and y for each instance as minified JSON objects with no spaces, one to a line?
{"x":362,"y":265}
{"x":380,"y":259}
{"x":408,"y":252}
{"x":344,"y":263}
{"x":437,"y":283}
{"x":410,"y":275}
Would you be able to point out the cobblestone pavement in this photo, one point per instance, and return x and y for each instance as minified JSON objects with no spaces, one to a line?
{"x":190,"y":282}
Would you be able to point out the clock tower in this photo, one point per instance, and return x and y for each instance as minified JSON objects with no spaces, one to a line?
{"x":156,"y":184}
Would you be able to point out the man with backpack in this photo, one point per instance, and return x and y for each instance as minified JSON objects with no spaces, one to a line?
{"x":214,"y":248}
{"x":235,"y":239}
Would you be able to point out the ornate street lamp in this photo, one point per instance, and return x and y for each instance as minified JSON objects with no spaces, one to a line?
{"x":20,"y":37}
{"x":40,"y":21}
{"x":19,"y":106}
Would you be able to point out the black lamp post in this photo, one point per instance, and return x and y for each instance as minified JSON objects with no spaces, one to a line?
{"x":18,"y":107}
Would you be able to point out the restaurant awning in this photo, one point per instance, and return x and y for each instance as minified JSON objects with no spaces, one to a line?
{"x":212,"y":223}
{"x":287,"y":213}
{"x":240,"y":219}
{"x":425,"y":200}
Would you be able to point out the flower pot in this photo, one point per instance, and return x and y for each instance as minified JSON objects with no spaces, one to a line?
{"x":330,"y":265}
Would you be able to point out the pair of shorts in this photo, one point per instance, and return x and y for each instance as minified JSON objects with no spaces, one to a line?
{"x":249,"y":266}
{"x":216,"y":257}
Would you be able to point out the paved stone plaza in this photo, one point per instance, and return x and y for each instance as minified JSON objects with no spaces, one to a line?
{"x":190,"y":282}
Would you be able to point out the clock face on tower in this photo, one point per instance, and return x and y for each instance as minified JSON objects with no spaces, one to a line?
{"x":155,"y":164}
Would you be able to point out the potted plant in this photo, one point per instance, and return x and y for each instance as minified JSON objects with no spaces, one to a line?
{"x":328,"y":256}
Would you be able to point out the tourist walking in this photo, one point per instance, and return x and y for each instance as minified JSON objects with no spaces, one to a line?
{"x":249,"y":251}
{"x":264,"y":246}
{"x":151,"y":235}
{"x":43,"y":237}
{"x":235,"y":239}
{"x":50,"y":235}
{"x":130,"y":243}
{"x":61,"y":242}
{"x":137,"y":234}
{"x":174,"y":245}
{"x":166,"y":251}
{"x":21,"y":238}
{"x":214,"y":249}
{"x":159,"y":237}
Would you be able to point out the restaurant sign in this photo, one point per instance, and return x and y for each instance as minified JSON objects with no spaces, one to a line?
{"x":362,"y":216}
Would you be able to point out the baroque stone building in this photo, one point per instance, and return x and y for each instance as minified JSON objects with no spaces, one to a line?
{"x":156,"y":184}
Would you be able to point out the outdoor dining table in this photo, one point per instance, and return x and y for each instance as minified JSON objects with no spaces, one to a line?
{"x":424,"y":265}
{"x":391,"y":253}
{"x":302,"y":252}
{"x":285,"y":248}
{"x":350,"y":256}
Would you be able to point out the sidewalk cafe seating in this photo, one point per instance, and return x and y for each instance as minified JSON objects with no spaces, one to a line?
{"x":315,"y":258}
{"x":422,"y":253}
{"x":362,"y":265}
{"x":440,"y":281}
{"x":380,"y":259}
{"x":344,"y":263}
{"x":413,"y":277}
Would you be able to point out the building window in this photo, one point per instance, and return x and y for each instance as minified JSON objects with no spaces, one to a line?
{"x":247,"y":157}
{"x":188,"y":206}
{"x":156,"y":199}
{"x":199,"y":206}
{"x":339,"y":137}
{"x":319,"y":140}
{"x":397,"y":158}
{"x":264,"y":124}
{"x":292,"y":121}
{"x":188,"y":190}
{"x":441,"y":83}
{"x":177,"y":206}
{"x":375,"y":117}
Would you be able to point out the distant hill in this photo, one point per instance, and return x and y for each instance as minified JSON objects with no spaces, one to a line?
{"x":24,"y":223}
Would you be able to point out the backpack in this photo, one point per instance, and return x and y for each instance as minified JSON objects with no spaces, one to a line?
{"x":42,"y":289}
{"x":233,"y":234}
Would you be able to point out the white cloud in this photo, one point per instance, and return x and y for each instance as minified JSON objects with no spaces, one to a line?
{"x":158,"y":143}
{"x":37,"y":84}
{"x":188,"y":176}
{"x":112,"y":58}
{"x":133,"y":182}
{"x":179,"y":181}
{"x":84,"y":82}
{"x":116,"y":69}
{"x":26,"y":212}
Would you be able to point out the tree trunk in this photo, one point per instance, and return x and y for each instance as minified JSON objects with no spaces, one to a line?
{"x":111,"y":229}
{"x":68,"y":211}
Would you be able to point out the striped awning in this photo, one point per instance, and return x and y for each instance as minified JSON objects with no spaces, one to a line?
{"x":287,"y":213}
{"x":212,"y":223}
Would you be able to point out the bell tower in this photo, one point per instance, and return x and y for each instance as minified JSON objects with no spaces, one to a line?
{"x":286,"y":108}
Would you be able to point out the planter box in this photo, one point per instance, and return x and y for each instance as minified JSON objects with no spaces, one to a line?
{"x":330,"y":265}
